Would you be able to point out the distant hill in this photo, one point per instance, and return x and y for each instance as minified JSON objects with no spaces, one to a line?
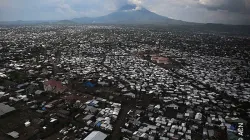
{"x":18,"y":22}
{"x":21,"y":22}
{"x":64,"y":22}
{"x":131,"y":14}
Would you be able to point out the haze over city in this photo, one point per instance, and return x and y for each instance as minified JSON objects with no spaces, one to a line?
{"x":201,"y":11}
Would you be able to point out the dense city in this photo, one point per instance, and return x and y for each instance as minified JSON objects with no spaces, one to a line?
{"x":96,"y":82}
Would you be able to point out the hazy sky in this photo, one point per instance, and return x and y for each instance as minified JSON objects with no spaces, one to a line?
{"x":208,"y":11}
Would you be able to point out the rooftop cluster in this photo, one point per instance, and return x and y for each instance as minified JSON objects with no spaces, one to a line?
{"x":93,"y":82}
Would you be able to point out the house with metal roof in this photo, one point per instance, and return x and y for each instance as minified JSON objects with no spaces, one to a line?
{"x":4,"y":109}
{"x":96,"y":135}
{"x":54,"y":86}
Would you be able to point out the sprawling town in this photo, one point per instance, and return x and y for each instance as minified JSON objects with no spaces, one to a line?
{"x":110,"y":82}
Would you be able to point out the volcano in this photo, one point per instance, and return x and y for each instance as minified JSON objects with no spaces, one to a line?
{"x":130,"y":14}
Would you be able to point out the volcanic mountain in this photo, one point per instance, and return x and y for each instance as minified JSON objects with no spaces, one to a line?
{"x":130,"y":14}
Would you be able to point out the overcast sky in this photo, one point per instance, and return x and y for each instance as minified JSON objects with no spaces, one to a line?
{"x":205,"y":11}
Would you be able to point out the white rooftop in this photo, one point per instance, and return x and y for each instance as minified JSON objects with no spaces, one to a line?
{"x":96,"y":135}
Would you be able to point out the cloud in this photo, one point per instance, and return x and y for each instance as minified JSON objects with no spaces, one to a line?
{"x":237,"y":6}
{"x":212,"y":3}
{"x":219,"y":11}
{"x":66,"y":10}
{"x":136,"y":2}
{"x":194,"y":11}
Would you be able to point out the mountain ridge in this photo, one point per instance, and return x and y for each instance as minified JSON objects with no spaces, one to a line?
{"x":131,"y":14}
{"x":127,"y":14}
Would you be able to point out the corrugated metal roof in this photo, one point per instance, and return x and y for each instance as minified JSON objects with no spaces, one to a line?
{"x":5,"y":109}
{"x":96,"y":135}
